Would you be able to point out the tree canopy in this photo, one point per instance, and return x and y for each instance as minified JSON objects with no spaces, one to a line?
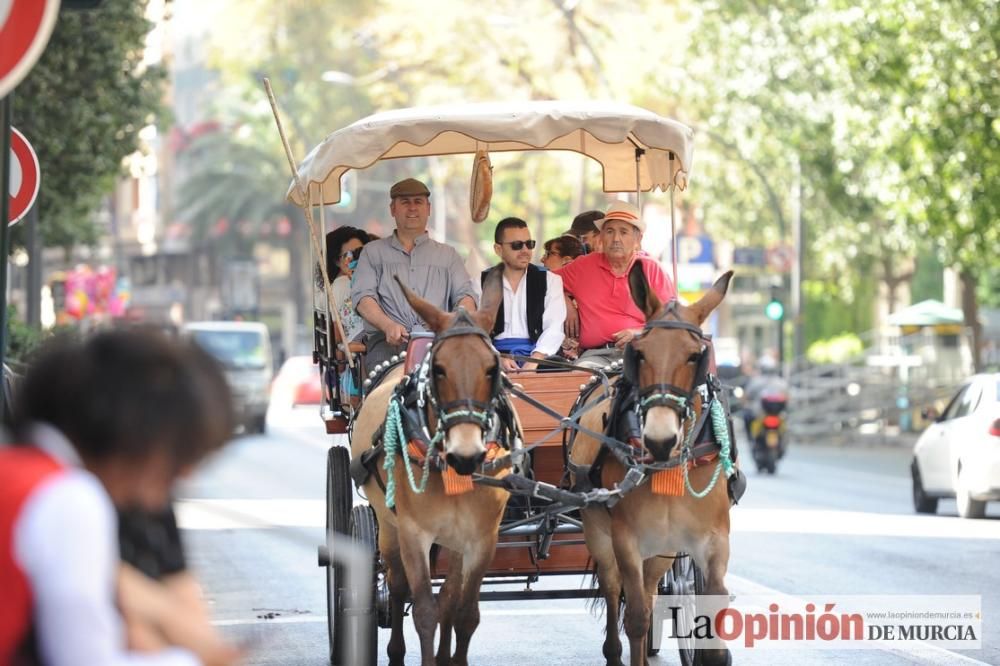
{"x":82,"y":107}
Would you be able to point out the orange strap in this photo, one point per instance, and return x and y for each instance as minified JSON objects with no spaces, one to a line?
{"x":670,"y":482}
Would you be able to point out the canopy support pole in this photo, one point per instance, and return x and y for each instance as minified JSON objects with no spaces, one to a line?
{"x":639,"y":152}
{"x":673,"y":225}
{"x":307,"y":198}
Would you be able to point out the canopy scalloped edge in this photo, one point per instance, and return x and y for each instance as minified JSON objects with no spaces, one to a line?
{"x":609,"y":133}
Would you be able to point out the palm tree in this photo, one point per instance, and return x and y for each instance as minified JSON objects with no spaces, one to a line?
{"x":233,"y":196}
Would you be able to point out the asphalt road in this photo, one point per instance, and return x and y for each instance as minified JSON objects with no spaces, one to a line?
{"x":833,"y":521}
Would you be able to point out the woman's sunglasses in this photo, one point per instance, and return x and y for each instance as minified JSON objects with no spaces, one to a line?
{"x":519,"y":245}
{"x":351,"y":254}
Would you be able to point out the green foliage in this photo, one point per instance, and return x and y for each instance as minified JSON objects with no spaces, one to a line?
{"x":830,"y":311}
{"x":82,"y":107}
{"x":835,"y":350}
{"x":928,"y":280}
{"x":21,"y":338}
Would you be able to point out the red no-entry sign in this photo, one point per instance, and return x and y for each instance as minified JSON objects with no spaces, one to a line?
{"x":25,"y":176}
{"x":25,"y":26}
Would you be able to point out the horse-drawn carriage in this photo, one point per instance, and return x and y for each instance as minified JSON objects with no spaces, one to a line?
{"x":471,"y":474}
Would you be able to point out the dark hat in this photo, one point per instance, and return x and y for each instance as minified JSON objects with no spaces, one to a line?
{"x":409,"y":187}
{"x":584,"y":222}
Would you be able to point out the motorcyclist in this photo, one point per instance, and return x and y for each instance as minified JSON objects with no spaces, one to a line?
{"x":767,"y":381}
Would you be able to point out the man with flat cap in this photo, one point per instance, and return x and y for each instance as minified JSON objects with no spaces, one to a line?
{"x":599,"y":282}
{"x":431,"y":269}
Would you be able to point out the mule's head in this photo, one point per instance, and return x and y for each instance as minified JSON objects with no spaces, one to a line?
{"x":464,"y":372}
{"x":665,"y":362}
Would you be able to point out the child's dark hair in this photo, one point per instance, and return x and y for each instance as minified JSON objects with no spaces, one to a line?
{"x":128,"y":393}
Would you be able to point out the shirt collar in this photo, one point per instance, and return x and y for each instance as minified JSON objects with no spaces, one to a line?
{"x":603,"y":262}
{"x":53,"y":442}
{"x":419,"y":240}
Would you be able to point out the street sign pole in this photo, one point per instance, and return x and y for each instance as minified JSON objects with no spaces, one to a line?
{"x":5,"y":124}
{"x":33,"y":301}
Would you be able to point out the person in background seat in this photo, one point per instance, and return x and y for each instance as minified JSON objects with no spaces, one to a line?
{"x":584,"y":229}
{"x":558,"y":253}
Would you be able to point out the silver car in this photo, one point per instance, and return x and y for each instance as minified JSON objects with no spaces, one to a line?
{"x":244,"y":349}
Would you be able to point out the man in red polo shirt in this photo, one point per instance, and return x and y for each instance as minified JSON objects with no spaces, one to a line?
{"x":608,"y":319}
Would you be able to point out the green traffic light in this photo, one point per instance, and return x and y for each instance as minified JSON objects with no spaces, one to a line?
{"x":774,"y":310}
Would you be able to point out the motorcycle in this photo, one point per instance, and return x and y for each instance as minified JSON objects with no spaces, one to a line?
{"x":768,"y":432}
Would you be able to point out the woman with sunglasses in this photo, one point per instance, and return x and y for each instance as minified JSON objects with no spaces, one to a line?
{"x":343,"y":248}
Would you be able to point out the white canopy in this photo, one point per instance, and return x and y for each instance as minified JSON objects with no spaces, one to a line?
{"x":607,"y":132}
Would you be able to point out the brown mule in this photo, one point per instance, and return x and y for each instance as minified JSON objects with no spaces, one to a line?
{"x":464,"y":367}
{"x":633,"y":544}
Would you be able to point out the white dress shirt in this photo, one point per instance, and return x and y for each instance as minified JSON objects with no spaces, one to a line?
{"x":66,"y":543}
{"x":515,"y":313}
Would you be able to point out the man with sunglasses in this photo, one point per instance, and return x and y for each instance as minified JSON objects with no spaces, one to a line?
{"x":530,"y":319}
{"x":433,"y":270}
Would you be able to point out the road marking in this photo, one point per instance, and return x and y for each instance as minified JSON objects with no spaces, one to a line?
{"x":312,"y":619}
{"x":228,"y":514}
{"x":859,"y":523}
{"x":924,"y":654}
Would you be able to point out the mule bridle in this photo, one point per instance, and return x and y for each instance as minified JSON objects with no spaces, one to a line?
{"x":463,"y":410}
{"x":663,"y":394}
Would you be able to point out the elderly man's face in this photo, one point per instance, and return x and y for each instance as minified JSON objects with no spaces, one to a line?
{"x":411,"y":212}
{"x":620,"y":239}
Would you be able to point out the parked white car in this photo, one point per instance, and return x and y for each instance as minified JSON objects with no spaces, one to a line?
{"x":959,"y":454}
{"x":244,"y":350}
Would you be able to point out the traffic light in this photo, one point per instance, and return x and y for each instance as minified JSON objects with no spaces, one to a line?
{"x":775,"y":310}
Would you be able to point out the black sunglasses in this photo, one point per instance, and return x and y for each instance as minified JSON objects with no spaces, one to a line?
{"x":354,"y":254}
{"x":519,"y":245}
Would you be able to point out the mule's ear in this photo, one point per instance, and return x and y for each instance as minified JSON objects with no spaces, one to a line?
{"x":437,"y":320}
{"x":644,"y":298}
{"x":712,"y":298}
{"x":489,"y":304}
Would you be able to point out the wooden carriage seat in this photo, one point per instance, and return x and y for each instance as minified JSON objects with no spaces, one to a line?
{"x":557,"y":391}
{"x":416,"y":349}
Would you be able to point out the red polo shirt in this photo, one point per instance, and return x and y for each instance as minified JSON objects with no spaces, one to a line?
{"x":603,"y":298}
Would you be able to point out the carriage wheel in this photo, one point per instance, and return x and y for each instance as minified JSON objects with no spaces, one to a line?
{"x":686,"y":580}
{"x":362,"y":623}
{"x":339,"y":498}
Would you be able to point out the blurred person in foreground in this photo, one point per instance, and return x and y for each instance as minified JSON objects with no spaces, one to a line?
{"x":109,"y":421}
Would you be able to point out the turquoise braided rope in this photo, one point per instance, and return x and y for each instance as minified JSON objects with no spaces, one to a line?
{"x":395,"y":441}
{"x":721,"y":432}
{"x":679,"y":400}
